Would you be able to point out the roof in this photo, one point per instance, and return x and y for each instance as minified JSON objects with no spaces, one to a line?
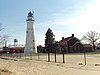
{"x":64,"y":41}
{"x":67,"y":39}
{"x":77,"y":43}
{"x":18,"y":47}
{"x":30,"y":14}
{"x":98,"y":45}
{"x":87,"y":45}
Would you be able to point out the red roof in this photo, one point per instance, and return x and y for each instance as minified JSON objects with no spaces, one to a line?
{"x":18,"y":47}
{"x":65,"y":39}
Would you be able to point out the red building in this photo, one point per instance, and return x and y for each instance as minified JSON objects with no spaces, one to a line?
{"x":17,"y":49}
{"x":71,"y":45}
{"x":88,"y":47}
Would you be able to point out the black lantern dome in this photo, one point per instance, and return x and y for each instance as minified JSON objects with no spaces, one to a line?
{"x":30,"y":14}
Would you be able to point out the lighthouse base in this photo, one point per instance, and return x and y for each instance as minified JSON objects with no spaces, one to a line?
{"x":29,"y":50}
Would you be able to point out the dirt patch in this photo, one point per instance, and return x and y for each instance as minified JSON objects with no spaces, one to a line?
{"x":5,"y":72}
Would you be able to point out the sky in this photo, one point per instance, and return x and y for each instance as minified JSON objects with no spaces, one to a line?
{"x":63,"y":17}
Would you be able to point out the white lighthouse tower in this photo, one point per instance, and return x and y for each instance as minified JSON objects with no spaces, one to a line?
{"x":30,"y":38}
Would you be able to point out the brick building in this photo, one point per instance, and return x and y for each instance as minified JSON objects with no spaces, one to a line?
{"x":71,"y":45}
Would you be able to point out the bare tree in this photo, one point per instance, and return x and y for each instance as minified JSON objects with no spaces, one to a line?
{"x":92,"y":37}
{"x":5,"y":39}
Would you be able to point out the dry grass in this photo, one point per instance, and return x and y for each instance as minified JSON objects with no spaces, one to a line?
{"x":74,"y":65}
{"x":5,"y":69}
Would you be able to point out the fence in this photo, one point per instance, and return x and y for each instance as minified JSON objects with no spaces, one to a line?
{"x":77,"y":58}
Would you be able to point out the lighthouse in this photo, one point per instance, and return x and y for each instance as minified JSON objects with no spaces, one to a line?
{"x":30,"y":37}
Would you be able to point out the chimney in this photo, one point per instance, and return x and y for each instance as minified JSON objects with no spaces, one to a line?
{"x":62,"y":38}
{"x":72,"y":35}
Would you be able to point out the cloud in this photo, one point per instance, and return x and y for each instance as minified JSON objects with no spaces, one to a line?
{"x":85,"y":19}
{"x":77,"y":21}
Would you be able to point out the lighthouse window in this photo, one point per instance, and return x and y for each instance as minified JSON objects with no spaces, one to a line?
{"x":33,"y":40}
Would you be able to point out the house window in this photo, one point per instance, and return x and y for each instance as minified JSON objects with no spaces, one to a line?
{"x":33,"y":40}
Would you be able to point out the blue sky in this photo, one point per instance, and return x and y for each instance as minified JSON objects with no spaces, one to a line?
{"x":64,"y":17}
